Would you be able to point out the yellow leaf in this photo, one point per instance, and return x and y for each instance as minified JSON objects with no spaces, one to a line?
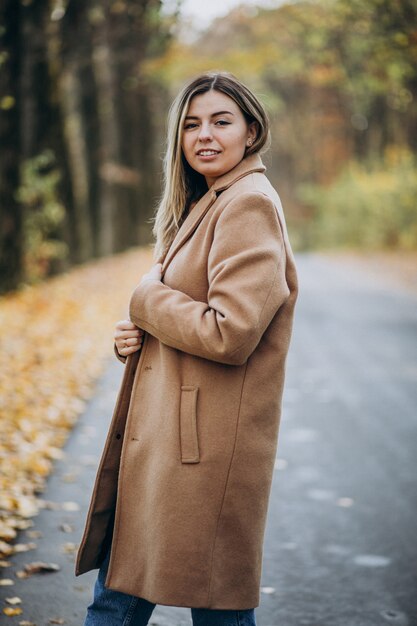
{"x":69,"y":547}
{"x":24,"y":547}
{"x":7,"y":102}
{"x":5,"y":548}
{"x":10,"y":612}
{"x":37,"y":408}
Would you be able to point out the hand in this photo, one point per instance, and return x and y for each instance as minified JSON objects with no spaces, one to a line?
{"x":128,"y":337}
{"x":155,"y":273}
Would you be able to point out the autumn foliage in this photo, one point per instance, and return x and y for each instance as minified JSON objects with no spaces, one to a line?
{"x":55,"y":339}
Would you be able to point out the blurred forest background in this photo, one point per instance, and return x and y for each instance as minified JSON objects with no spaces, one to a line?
{"x":85,"y":87}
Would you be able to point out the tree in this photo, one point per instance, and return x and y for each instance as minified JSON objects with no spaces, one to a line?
{"x":11,"y":240}
{"x":72,"y":87}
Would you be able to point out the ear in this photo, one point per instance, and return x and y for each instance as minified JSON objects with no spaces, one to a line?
{"x":253,"y":130}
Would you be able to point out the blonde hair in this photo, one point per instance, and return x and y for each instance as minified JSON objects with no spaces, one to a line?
{"x":182,"y":185}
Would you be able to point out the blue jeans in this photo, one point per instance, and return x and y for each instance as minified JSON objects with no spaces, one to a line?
{"x":113,"y":608}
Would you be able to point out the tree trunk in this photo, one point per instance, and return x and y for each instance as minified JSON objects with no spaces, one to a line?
{"x":75,"y":139}
{"x":11,"y":237}
{"x":108,"y":132}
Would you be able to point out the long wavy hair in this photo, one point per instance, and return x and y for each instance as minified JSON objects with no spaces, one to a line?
{"x":182,"y":185}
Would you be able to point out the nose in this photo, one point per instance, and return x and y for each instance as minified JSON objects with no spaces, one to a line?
{"x":205,"y":132}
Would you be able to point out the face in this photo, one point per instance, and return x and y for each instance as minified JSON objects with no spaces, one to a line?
{"x":215,"y":134}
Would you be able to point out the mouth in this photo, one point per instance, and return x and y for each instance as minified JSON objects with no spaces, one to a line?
{"x":207,"y":154}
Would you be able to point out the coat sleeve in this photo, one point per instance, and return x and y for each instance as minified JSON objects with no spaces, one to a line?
{"x":247,"y":285}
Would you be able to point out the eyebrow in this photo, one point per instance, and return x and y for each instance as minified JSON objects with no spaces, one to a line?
{"x":194,"y":117}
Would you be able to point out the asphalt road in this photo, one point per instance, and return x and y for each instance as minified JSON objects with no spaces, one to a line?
{"x":341,"y":537}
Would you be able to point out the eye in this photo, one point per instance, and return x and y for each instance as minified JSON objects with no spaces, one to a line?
{"x":189,"y":125}
{"x":223,"y":122}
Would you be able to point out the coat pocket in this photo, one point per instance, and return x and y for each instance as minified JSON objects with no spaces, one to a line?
{"x":188,"y":425}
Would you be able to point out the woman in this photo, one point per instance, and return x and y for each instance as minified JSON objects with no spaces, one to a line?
{"x":179,"y":506}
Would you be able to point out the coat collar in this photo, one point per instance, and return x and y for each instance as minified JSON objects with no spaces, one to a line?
{"x":248,"y":165}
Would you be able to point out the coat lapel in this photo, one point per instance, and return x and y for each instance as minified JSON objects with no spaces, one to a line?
{"x":189,"y":225}
{"x":252,"y":163}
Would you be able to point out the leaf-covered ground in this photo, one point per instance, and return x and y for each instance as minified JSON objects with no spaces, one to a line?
{"x":54,"y":341}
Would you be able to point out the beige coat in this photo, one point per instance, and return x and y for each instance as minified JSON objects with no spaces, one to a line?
{"x":191,"y":448}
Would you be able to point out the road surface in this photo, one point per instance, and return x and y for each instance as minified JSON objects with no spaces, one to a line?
{"x":341,"y":537}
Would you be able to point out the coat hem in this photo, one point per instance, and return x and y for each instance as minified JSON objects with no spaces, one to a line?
{"x":163,"y":601}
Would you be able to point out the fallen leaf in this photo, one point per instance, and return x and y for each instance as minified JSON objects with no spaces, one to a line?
{"x":11,"y":612}
{"x":5,"y":563}
{"x":70,"y":506}
{"x":34,"y":534}
{"x":39,"y":567}
{"x":6,"y":582}
{"x":23,"y":524}
{"x":5,"y":548}
{"x":37,"y":408}
{"x":6,"y":532}
{"x":69,"y":547}
{"x":24,"y":547}
{"x":66,"y":528}
{"x":14,"y":600}
{"x":57,"y":620}
{"x":24,"y":622}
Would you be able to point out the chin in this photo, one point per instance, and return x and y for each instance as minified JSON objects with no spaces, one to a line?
{"x":206,"y":169}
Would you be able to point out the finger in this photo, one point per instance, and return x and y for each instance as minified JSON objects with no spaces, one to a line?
{"x":130,"y":341}
{"x":136,"y":332}
{"x":126,"y":334}
{"x":125,"y":325}
{"x":127,"y":351}
{"x":134,"y":347}
{"x":124,"y":345}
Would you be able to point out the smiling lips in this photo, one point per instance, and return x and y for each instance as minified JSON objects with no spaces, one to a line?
{"x":207,"y":152}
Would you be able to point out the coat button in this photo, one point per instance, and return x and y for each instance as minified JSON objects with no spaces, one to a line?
{"x":118,"y":436}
